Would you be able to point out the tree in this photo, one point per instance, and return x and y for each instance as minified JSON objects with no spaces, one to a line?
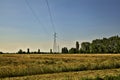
{"x":20,"y":51}
{"x":106,"y":45}
{"x":85,"y":47}
{"x":1,"y":52}
{"x":28,"y":50}
{"x":77,"y":46}
{"x":64,"y":50}
{"x":51,"y":51}
{"x":73,"y":50}
{"x":38,"y":51}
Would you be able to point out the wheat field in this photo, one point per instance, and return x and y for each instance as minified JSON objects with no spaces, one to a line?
{"x":58,"y":66}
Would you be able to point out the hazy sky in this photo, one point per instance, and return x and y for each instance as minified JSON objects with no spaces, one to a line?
{"x":75,"y":20}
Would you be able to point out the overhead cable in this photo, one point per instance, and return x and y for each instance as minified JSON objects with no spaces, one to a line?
{"x":51,"y":18}
{"x":36,"y":17}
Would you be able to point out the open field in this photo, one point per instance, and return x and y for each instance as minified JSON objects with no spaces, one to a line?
{"x":58,"y":66}
{"x":80,"y":75}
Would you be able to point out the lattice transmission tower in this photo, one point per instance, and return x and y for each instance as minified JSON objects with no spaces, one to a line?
{"x":55,"y":43}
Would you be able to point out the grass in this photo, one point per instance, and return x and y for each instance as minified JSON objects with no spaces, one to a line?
{"x":104,"y":78}
{"x":16,"y":65}
{"x":80,"y":75}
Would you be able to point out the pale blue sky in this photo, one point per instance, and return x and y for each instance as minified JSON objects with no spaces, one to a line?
{"x":75,"y":20}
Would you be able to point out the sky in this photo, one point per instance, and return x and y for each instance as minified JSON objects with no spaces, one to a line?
{"x":26,"y":24}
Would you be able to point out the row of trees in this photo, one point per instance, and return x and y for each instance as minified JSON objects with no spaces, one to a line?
{"x":72,"y":50}
{"x":105,"y":45}
{"x":28,"y":52}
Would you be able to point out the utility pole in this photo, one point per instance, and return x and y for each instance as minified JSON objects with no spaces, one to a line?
{"x":55,"y":43}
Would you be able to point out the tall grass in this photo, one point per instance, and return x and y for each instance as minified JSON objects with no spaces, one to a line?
{"x":104,"y":78}
{"x":21,"y":65}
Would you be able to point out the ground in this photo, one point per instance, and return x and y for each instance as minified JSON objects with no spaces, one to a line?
{"x":58,"y":66}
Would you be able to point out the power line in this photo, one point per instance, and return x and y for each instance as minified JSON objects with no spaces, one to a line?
{"x":65,"y":41}
{"x":36,"y":17}
{"x":52,"y":22}
{"x":51,"y":18}
{"x":55,"y":49}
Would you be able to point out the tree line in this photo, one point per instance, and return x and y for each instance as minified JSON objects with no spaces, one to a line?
{"x":105,"y":45}
{"x":29,"y":52}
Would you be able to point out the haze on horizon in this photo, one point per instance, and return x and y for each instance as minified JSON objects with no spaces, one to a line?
{"x":75,"y":20}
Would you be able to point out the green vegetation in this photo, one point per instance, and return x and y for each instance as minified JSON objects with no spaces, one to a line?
{"x":1,"y":52}
{"x":64,"y":50}
{"x":26,"y":65}
{"x":104,"y":78}
{"x":80,"y":75}
{"x":105,"y":45}
{"x":15,"y":65}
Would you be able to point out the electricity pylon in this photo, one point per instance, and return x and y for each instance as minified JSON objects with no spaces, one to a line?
{"x":55,"y":43}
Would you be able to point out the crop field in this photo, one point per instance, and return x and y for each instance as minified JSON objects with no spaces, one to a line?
{"x":59,"y":66}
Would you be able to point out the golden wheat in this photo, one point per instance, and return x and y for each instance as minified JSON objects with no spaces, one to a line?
{"x":15,"y":65}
